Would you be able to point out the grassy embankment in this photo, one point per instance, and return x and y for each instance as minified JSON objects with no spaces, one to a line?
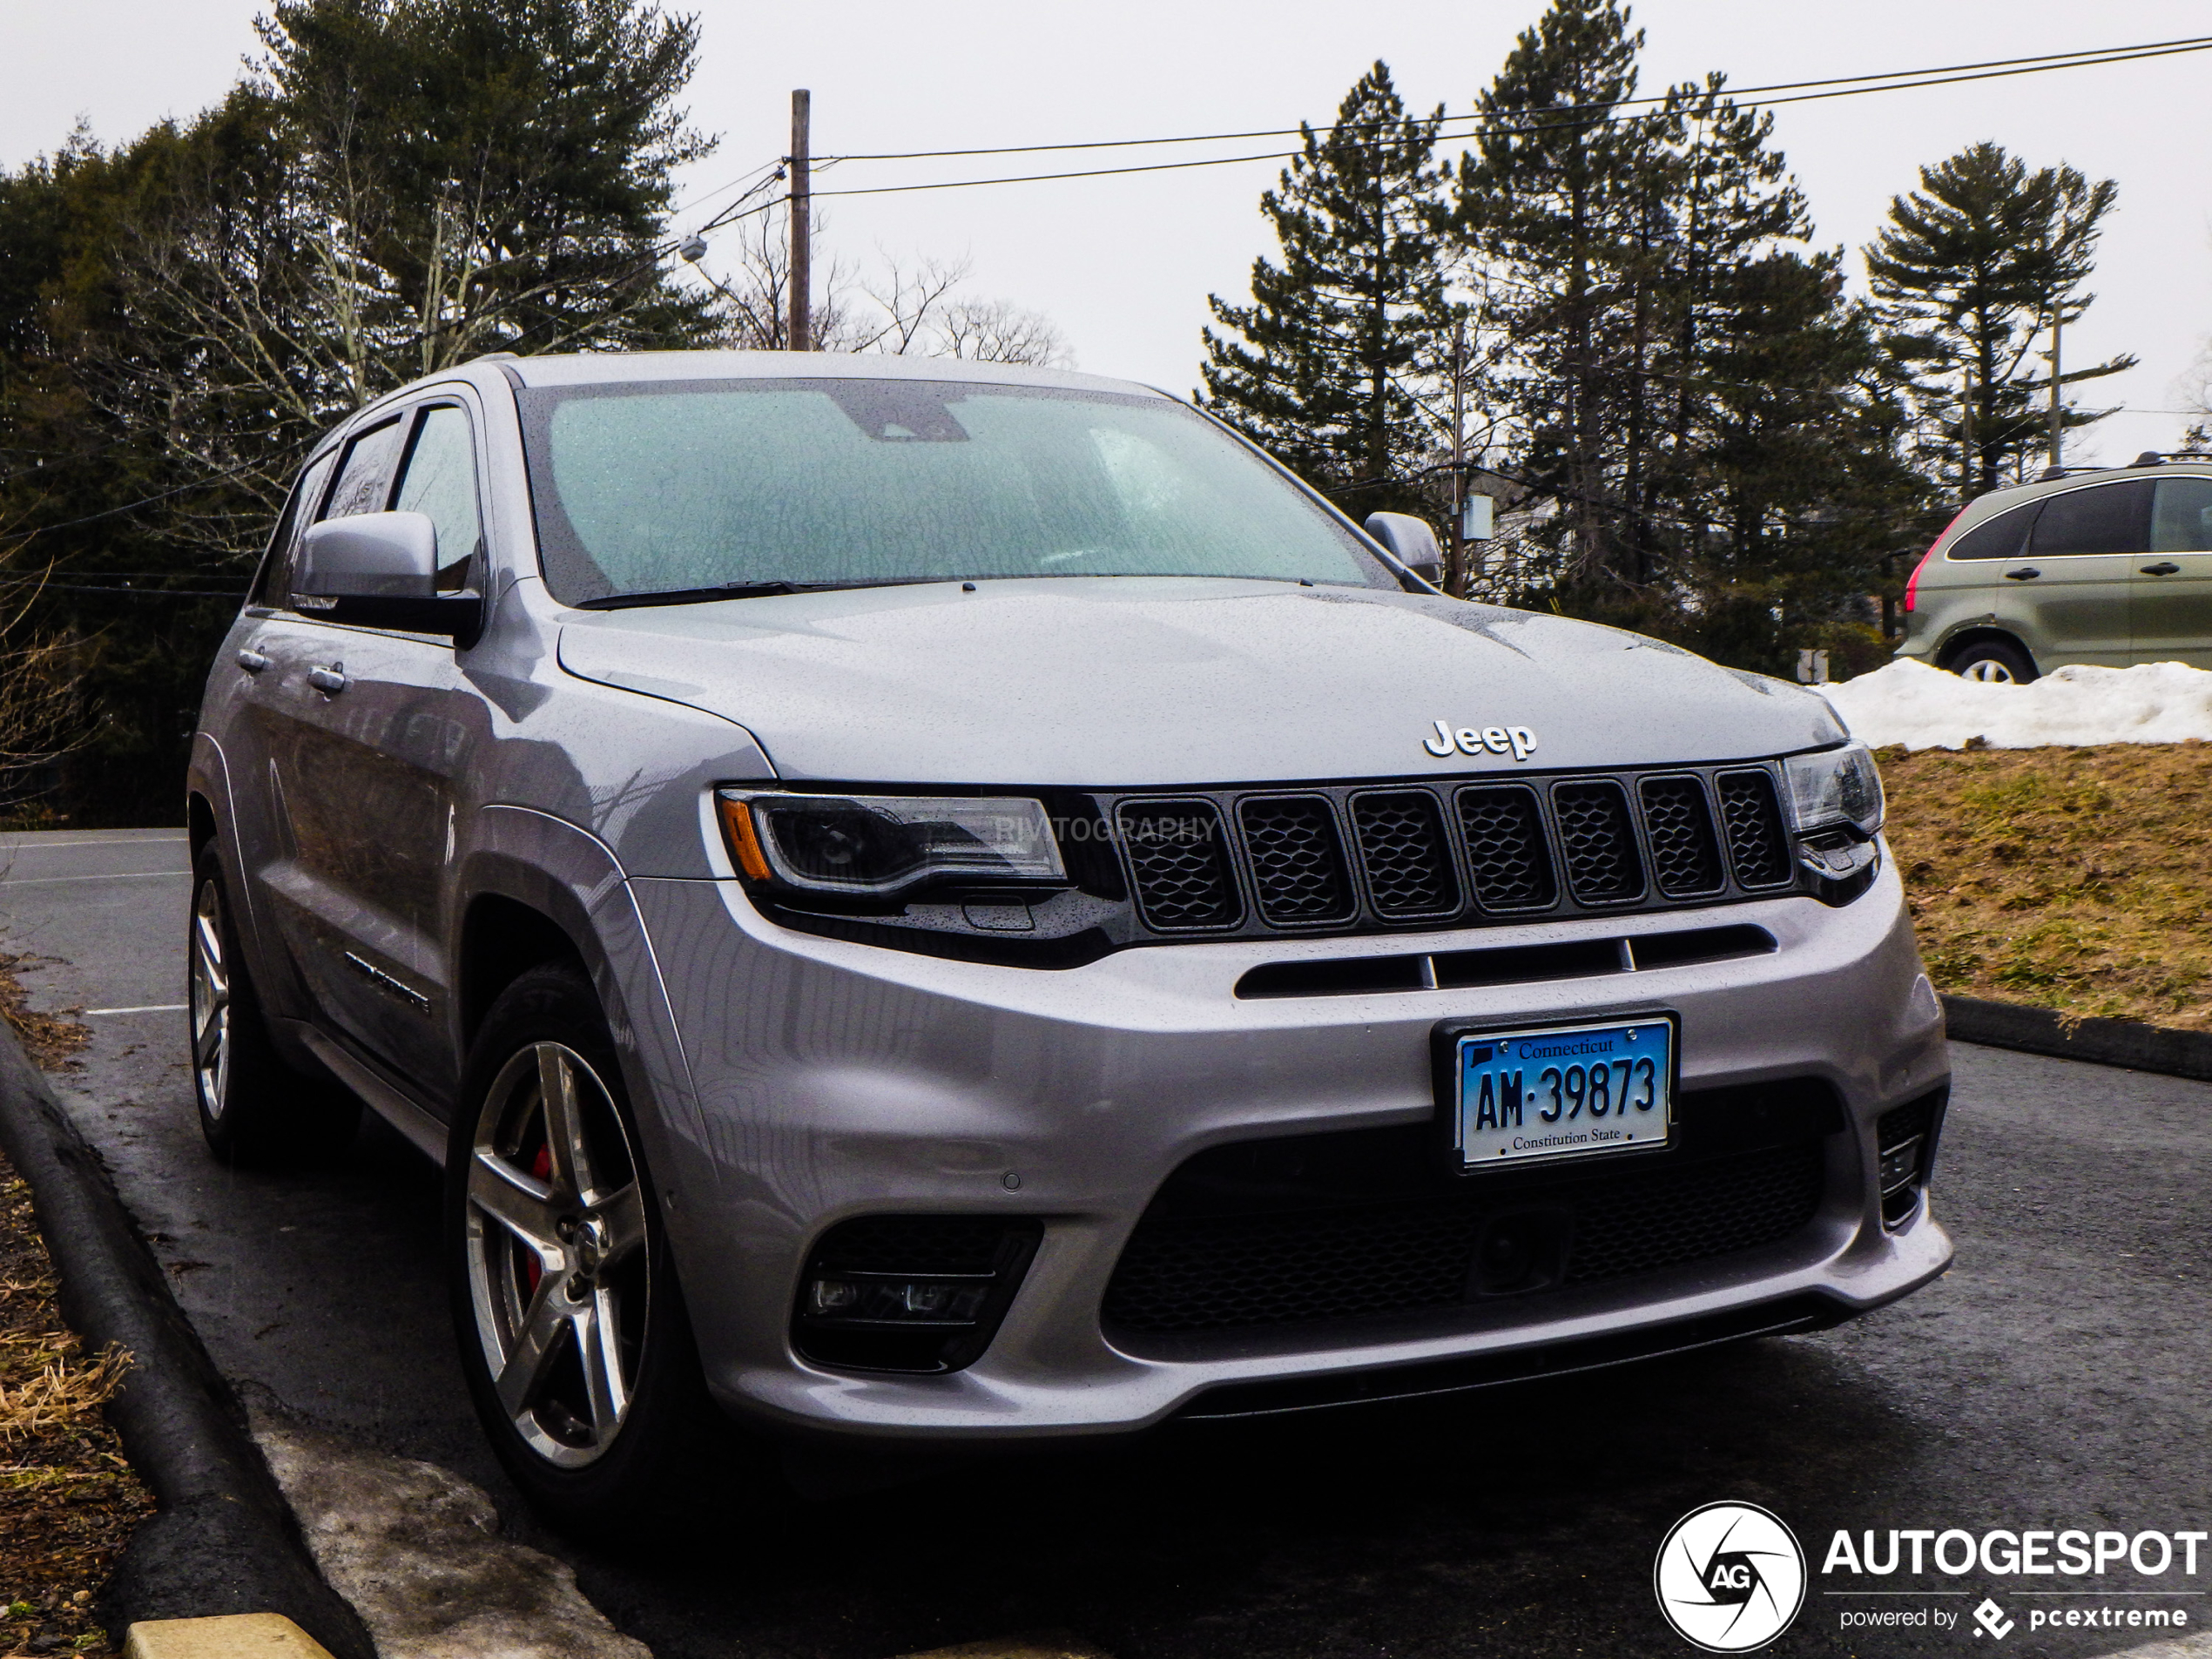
{"x":2069,"y":879}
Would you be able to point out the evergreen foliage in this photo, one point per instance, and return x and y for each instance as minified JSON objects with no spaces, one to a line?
{"x":1972,"y":267}
{"x":1328,"y":366}
{"x":406,"y":183}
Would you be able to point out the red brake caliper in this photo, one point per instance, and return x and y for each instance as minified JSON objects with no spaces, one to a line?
{"x":542,"y":1167}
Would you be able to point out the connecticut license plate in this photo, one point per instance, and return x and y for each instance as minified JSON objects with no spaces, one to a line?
{"x":1565,"y":1092}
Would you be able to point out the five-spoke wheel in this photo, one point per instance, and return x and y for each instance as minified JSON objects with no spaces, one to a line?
{"x":254,"y":1108}
{"x":559,"y":1276}
{"x":572,"y":1331}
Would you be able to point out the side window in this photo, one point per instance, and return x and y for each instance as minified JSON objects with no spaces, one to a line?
{"x":440,"y":480}
{"x":2001,"y":538}
{"x":275,"y":586}
{"x":2105,"y":518}
{"x":2182,"y":522}
{"x":365,"y":476}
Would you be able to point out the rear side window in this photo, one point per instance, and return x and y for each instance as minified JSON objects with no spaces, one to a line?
{"x":2182,"y":522}
{"x":2001,"y":538}
{"x":2106,"y":518}
{"x":439,"y":481}
{"x":365,"y":476}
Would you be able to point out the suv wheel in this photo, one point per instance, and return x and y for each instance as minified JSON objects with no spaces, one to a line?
{"x":254,"y":1108}
{"x":572,"y":1329}
{"x":1996,"y":661}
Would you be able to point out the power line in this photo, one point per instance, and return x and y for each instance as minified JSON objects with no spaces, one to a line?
{"x":2047,"y":60}
{"x":1897,"y":81}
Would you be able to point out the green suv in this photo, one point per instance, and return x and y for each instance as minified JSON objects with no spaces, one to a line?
{"x":2112,"y":567}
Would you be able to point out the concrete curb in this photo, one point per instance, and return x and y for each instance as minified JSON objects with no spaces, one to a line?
{"x":2104,"y":1042}
{"x":224,"y":1542}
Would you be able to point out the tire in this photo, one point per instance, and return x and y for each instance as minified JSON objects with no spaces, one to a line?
{"x":572,"y":1331}
{"x":1996,"y":661}
{"x":254,"y":1109}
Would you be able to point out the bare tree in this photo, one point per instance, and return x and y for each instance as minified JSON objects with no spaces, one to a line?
{"x":900,"y":310}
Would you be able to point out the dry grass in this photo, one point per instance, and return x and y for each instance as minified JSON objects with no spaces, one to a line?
{"x":2069,"y":879}
{"x":48,"y":1039}
{"x":68,"y":1500}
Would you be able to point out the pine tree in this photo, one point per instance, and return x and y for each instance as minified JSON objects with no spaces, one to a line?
{"x":1564,"y":205}
{"x":1327,"y":368}
{"x":1971,"y":268}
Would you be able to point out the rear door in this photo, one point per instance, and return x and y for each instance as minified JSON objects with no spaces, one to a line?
{"x":2074,"y":584}
{"x":2172,"y":603}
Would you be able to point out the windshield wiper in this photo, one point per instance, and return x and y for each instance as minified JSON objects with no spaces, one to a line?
{"x":737,"y":591}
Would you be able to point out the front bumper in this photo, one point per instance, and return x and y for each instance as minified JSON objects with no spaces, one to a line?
{"x":833,"y":1079}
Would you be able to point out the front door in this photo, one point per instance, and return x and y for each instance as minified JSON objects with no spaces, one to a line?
{"x":365,"y":734}
{"x":2172,"y":603}
{"x":2074,"y":580}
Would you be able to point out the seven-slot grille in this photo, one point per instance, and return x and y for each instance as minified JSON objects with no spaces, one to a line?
{"x":1338,"y":859}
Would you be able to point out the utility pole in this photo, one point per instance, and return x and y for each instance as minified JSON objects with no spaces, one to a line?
{"x":2057,"y":410}
{"x":802,"y":226}
{"x":1455,"y":568}
{"x":1966,"y":441}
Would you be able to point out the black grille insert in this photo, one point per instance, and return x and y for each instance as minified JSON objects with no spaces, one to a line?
{"x":1403,"y":850}
{"x":1506,"y":854}
{"x":1758,"y":852}
{"x":1180,"y":860}
{"x":1217,"y":1253}
{"x":1685,"y":857}
{"x":1297,"y":860}
{"x":1598,"y":842}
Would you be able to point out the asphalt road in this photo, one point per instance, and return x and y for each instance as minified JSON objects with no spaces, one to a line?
{"x":2055,"y":1378}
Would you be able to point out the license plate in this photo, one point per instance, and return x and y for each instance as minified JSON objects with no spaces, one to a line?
{"x":1522,"y":1097}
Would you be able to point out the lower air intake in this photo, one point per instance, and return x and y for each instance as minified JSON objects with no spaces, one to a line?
{"x":1189,"y":1273}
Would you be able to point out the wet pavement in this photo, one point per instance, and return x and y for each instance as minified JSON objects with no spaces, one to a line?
{"x":2056,"y":1380}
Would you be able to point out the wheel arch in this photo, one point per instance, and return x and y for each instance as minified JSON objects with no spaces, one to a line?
{"x":503,"y":937}
{"x":1958,"y":643}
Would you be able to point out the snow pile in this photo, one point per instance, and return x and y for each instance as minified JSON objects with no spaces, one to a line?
{"x":1926,"y":708}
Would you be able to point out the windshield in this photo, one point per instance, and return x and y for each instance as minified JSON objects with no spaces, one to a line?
{"x":661,"y":488}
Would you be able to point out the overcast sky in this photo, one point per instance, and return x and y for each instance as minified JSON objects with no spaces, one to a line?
{"x":1123,"y":266}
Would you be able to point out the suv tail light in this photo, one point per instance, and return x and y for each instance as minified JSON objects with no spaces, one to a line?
{"x":1912,"y":581}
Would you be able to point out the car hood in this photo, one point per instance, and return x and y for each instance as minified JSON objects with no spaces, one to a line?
{"x":1139,"y":682}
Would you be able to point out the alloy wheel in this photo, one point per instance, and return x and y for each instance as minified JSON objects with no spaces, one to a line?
{"x":559,"y":1272}
{"x":1991,"y":670}
{"x":209,"y":999}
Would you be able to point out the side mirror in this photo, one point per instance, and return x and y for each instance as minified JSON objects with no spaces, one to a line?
{"x":380,"y":570}
{"x":1410,"y":540}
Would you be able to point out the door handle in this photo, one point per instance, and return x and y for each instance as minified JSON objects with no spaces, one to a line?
{"x":252,"y":661}
{"x":2025,"y":573}
{"x":2164,"y":567}
{"x":329,"y":681}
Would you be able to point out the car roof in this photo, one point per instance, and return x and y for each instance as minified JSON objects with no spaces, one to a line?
{"x":1985,"y":507}
{"x":599,"y":369}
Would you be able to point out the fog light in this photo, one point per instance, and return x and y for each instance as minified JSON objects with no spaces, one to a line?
{"x":914,"y":1293}
{"x":1900,"y":1165}
{"x":877,"y":1296}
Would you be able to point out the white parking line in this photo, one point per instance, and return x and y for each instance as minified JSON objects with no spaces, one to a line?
{"x":120,"y":875}
{"x":144,"y":1008}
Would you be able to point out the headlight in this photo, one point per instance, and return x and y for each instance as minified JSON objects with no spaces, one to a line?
{"x":1835,"y":787}
{"x":880,"y":845}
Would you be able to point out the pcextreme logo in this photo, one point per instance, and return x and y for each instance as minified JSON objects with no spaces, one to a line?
{"x":1730,"y":1577}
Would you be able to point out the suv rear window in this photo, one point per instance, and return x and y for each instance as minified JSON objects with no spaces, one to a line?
{"x":1997,"y":538}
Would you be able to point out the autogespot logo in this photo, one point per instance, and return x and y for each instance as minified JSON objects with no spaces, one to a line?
{"x":1730,"y":1577}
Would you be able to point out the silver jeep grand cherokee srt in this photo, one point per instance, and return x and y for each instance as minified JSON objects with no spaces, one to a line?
{"x":943,"y":902}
